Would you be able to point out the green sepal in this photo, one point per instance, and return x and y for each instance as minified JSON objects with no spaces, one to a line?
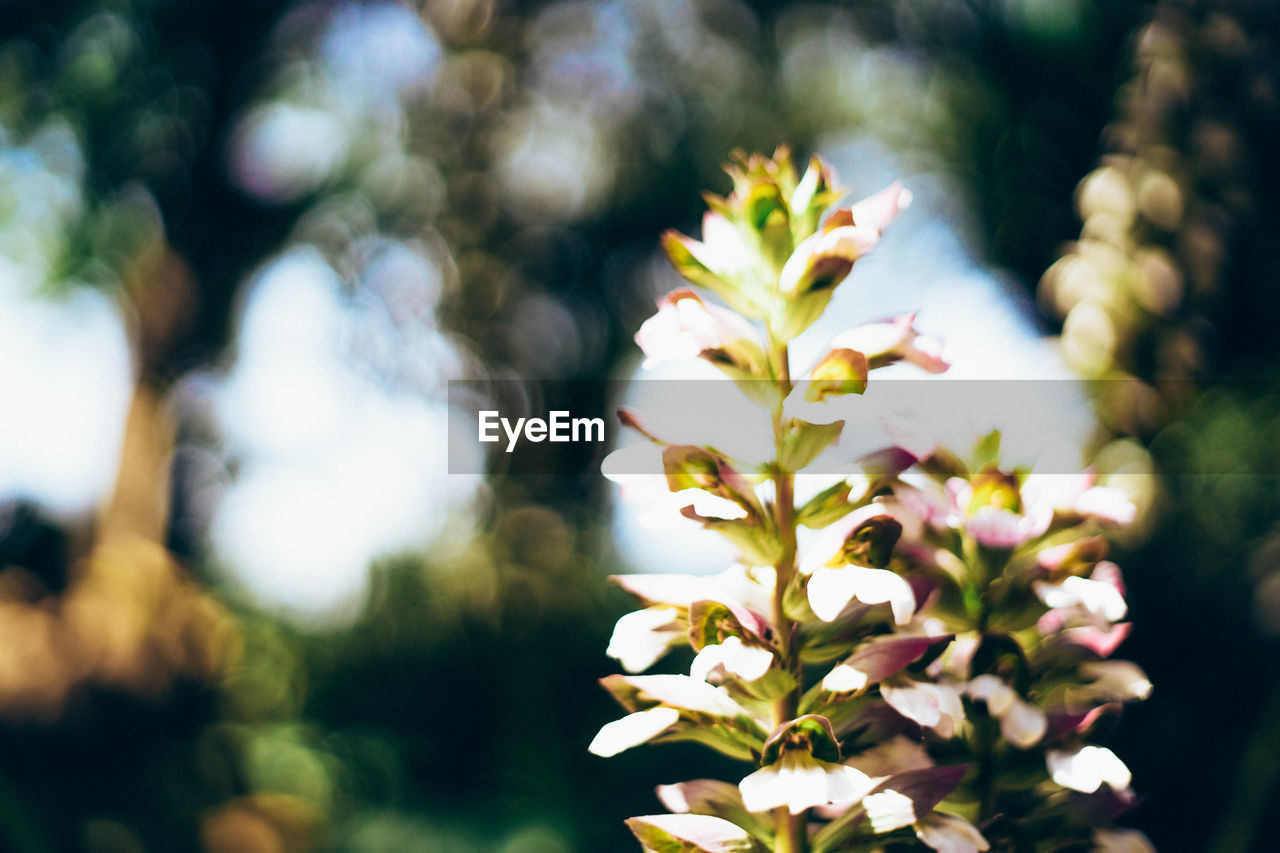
{"x":804,"y":442}
{"x":811,"y":732}
{"x":755,"y":542}
{"x":841,"y":371}
{"x":827,"y":506}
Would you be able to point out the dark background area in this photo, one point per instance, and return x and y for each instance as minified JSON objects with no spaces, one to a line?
{"x":452,"y":712}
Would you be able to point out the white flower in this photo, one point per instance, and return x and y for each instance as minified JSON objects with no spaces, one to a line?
{"x":844,"y":679}
{"x":1076,"y":493}
{"x":949,"y":834}
{"x":686,"y":327}
{"x":799,"y":781}
{"x":1099,"y":601}
{"x":1113,"y":681}
{"x":735,"y":657}
{"x":639,"y":473}
{"x":889,"y":810}
{"x":642,"y":637}
{"x":878,"y":210}
{"x":847,"y":242}
{"x":1086,"y":769}
{"x":935,"y":706}
{"x":681,"y":691}
{"x":1021,"y":723}
{"x":632,"y":730}
{"x":831,"y":590}
{"x":1108,"y":504}
{"x":894,"y":339}
{"x":1001,"y":528}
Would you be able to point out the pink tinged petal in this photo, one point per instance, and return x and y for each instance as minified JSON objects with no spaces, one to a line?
{"x":749,"y":663}
{"x":889,"y":810}
{"x":641,"y":638}
{"x":1103,"y":643}
{"x":831,"y":590}
{"x":877,"y":339}
{"x":934,"y":706}
{"x":1116,"y":680}
{"x":988,"y":688}
{"x":1099,"y":600}
{"x":925,"y":352}
{"x":632,"y":730}
{"x":878,"y":210}
{"x":1107,"y":504}
{"x":1121,"y":841}
{"x":1023,"y":724}
{"x":690,"y":832}
{"x":708,"y":505}
{"x":1109,"y":573}
{"x":685,"y":327}
{"x":844,"y":679}
{"x":681,"y":691}
{"x":949,"y":834}
{"x":1000,"y":528}
{"x":1087,"y":769}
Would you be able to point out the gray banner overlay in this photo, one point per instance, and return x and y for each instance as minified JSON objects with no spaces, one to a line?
{"x":569,"y":427}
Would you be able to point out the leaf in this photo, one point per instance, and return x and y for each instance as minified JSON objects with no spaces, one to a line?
{"x":755,"y":542}
{"x":986,"y":452}
{"x":805,"y":442}
{"x":691,"y":833}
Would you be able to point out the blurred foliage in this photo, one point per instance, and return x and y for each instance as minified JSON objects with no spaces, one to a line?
{"x":529,"y":155}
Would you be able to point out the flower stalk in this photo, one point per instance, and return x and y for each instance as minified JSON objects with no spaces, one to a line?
{"x":929,"y":670}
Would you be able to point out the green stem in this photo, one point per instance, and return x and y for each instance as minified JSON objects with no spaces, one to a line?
{"x":791,"y":837}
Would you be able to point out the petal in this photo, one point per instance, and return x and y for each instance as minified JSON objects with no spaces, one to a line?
{"x":806,"y":780}
{"x":1023,"y":724}
{"x":888,"y":810}
{"x":1087,"y":768}
{"x":764,"y":789}
{"x":847,"y":784}
{"x":681,"y":691}
{"x":641,"y":638}
{"x":990,"y":689}
{"x":915,"y":703}
{"x":844,"y":679}
{"x":949,"y":834}
{"x":1107,"y":504}
{"x":632,"y":730}
{"x":878,"y":210}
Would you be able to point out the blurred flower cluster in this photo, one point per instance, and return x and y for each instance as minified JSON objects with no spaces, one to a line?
{"x":918,"y":654}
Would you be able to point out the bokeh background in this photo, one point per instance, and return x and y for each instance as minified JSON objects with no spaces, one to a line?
{"x":244,"y":245}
